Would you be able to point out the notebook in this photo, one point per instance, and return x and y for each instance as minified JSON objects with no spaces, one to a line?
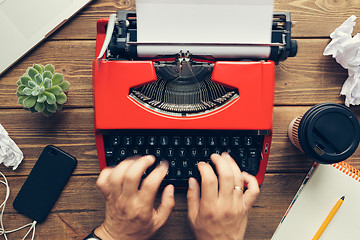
{"x":323,"y":186}
{"x":24,"y":23}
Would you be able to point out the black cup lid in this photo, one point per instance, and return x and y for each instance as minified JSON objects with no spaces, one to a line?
{"x":329,"y":133}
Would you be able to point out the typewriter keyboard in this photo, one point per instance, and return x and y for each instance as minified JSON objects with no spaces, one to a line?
{"x":184,"y":149}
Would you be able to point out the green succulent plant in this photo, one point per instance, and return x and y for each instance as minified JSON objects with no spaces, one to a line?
{"x":42,"y":90}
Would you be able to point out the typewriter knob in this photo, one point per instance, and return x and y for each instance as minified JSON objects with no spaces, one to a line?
{"x":294,"y":48}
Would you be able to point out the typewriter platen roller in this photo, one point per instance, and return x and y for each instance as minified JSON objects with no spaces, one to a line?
{"x":181,"y":106}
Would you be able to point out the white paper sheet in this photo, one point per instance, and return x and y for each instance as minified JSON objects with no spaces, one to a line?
{"x":10,"y":153}
{"x":205,"y":21}
{"x":346,"y":50}
{"x":314,"y":203}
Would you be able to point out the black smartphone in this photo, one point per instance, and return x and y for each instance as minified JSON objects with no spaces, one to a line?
{"x":45,"y":182}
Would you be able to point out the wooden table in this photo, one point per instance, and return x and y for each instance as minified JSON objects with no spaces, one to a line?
{"x":301,"y":82}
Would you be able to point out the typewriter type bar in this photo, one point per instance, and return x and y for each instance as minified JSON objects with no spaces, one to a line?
{"x":183,"y":90}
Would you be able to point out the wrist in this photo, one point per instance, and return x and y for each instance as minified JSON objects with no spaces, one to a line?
{"x":102,"y":233}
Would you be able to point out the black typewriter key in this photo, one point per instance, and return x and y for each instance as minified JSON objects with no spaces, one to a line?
{"x":190,"y":173}
{"x":170,"y":152}
{"x":188,"y":141}
{"x":109,"y":152}
{"x":122,"y":153}
{"x":152,"y":140}
{"x":194,"y":152}
{"x":243,"y":164}
{"x":252,"y":152}
{"x":236,"y":141}
{"x":205,"y":152}
{"x":185,"y":163}
{"x":212,"y":141}
{"x":217,"y":151}
{"x":179,"y":173}
{"x":228,"y":150}
{"x":127,"y":141}
{"x":182,"y":152}
{"x":164,"y":140}
{"x":248,"y":141}
{"x":135,"y":151}
{"x":241,"y":152}
{"x":140,"y":141}
{"x":196,"y":164}
{"x":147,"y":151}
{"x":200,"y":141}
{"x":224,"y":141}
{"x":158,"y":152}
{"x":172,"y":163}
{"x":115,"y":140}
{"x":176,"y":141}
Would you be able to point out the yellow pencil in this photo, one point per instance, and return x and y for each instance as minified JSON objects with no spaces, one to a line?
{"x":328,"y":218}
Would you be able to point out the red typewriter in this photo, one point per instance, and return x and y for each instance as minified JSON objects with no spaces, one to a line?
{"x":183,"y":107}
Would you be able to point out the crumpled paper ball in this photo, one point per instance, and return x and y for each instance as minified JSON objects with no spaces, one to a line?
{"x":10,"y":153}
{"x":346,"y":51}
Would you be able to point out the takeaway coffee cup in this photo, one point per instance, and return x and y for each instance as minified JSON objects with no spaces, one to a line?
{"x":327,"y":132}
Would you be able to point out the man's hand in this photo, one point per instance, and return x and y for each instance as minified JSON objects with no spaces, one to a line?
{"x":130,"y":213}
{"x":222,"y":211}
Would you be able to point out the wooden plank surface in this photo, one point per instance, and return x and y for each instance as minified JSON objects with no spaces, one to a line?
{"x":307,"y":79}
{"x":72,"y":130}
{"x":301,"y":82}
